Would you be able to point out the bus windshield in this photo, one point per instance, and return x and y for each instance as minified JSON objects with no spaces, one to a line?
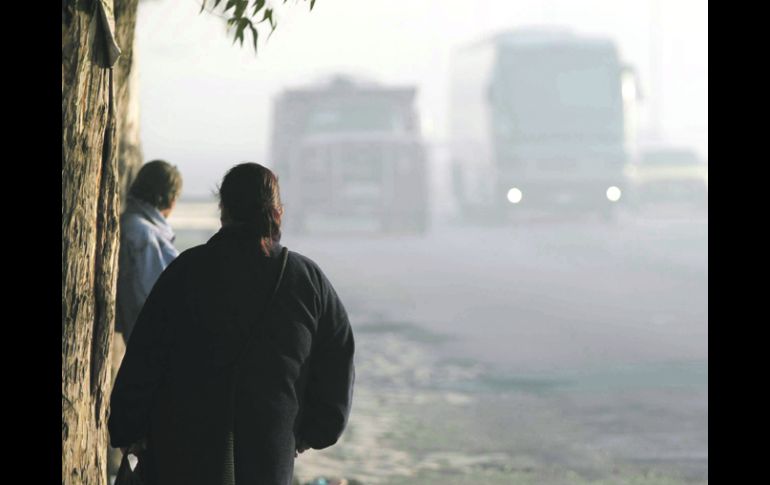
{"x":558,"y":93}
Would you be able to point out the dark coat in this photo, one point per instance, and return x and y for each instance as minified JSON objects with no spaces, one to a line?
{"x":180,"y":388}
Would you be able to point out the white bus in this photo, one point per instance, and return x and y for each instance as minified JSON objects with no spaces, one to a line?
{"x":540,"y":121}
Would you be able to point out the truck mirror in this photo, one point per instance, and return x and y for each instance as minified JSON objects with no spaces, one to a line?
{"x":629,"y":71}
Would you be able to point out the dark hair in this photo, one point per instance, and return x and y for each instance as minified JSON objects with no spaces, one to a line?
{"x":158,"y":183}
{"x":249,"y":195}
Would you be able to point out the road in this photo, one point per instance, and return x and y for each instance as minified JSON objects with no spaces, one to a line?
{"x":538,"y":297}
{"x":551,"y":348}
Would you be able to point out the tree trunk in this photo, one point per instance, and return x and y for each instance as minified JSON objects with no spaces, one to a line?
{"x":90,"y":178}
{"x":127,"y":95}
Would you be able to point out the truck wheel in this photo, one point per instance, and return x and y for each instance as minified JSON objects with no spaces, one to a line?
{"x":420,"y":224}
{"x":609,"y":215}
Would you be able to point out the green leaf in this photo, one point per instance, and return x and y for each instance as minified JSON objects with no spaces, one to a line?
{"x":269,"y":17}
{"x":254,"y":36}
{"x":241,"y":7}
{"x":242,"y":24}
{"x":230,"y":22}
{"x":216,"y":3}
{"x":258,"y":4}
{"x":312,"y":4}
{"x":230,"y":4}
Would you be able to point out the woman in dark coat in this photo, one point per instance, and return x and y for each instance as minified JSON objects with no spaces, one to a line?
{"x":224,"y":377}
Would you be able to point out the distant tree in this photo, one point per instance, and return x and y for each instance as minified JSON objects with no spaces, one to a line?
{"x":100,"y":155}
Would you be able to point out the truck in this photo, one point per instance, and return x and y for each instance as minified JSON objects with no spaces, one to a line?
{"x":350,"y":156}
{"x":541,"y":122}
{"x":667,"y":180}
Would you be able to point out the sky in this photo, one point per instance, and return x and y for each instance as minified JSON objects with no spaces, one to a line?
{"x":206,"y":103}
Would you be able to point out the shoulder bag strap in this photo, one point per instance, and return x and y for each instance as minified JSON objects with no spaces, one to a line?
{"x":229,"y":460}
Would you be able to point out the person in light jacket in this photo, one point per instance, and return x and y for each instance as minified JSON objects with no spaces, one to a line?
{"x":146,"y":248}
{"x":146,"y":239}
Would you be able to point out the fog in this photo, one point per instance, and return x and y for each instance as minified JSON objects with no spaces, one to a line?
{"x":206,"y":103}
{"x":511,"y":198}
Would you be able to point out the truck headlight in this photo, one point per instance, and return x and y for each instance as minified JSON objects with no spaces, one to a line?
{"x":613,"y":194}
{"x":514,"y":195}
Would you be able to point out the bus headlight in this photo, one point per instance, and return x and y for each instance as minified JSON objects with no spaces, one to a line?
{"x":514,"y":195}
{"x":613,"y":194}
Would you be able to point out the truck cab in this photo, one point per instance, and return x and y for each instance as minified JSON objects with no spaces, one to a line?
{"x":350,"y":155}
{"x":668,"y":181}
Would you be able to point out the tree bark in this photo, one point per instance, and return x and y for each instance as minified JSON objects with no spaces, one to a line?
{"x":90,"y":180}
{"x":130,"y":157}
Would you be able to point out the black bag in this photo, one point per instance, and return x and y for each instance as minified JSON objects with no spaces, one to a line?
{"x":127,"y":476}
